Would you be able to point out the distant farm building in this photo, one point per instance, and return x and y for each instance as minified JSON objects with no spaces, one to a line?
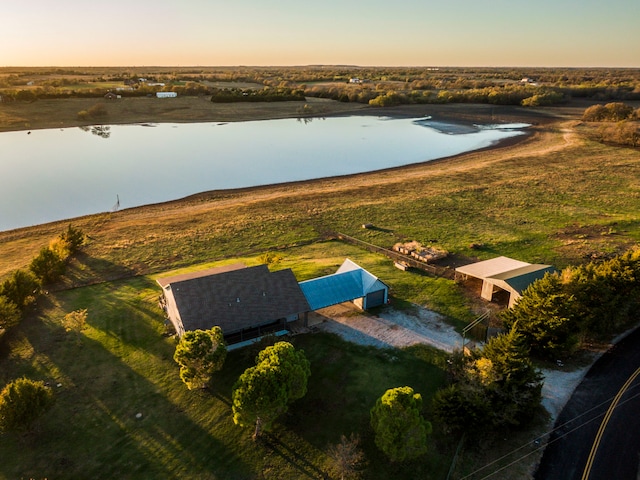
{"x":111,"y":96}
{"x":166,"y":94}
{"x":250,"y":302}
{"x":502,"y":273}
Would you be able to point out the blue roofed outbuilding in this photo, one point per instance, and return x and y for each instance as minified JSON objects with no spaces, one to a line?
{"x":350,"y":283}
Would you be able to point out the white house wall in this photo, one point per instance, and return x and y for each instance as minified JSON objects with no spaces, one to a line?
{"x":172,"y":311}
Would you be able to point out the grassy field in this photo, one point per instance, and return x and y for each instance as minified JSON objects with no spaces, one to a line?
{"x":553,"y":198}
{"x":122,"y":365}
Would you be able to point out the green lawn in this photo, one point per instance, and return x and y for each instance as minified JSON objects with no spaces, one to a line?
{"x":121,"y":365}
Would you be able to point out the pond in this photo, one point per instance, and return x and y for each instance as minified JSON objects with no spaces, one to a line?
{"x":57,"y":174}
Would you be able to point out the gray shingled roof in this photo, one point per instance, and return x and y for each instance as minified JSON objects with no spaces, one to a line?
{"x":164,"y":281}
{"x":238,"y":299}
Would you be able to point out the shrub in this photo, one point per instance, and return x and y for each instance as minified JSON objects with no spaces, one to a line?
{"x":22,"y":402}
{"x":611,"y":112}
{"x":20,"y":288}
{"x":97,"y":111}
{"x":75,"y":321}
{"x":48,"y":266}
{"x":9,"y":313}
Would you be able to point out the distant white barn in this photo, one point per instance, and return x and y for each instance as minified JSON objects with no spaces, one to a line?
{"x":166,"y":94}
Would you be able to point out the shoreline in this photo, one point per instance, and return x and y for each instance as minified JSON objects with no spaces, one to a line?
{"x":247,"y":190}
{"x":457,"y":114}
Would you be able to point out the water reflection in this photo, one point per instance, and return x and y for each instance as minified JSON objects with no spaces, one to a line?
{"x":307,"y":120}
{"x":150,"y":165}
{"x":102,"y":131}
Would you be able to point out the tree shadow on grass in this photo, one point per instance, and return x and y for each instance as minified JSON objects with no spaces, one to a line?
{"x":118,"y":414}
{"x":291,"y":456}
{"x":115,"y":307}
{"x":84,"y":269}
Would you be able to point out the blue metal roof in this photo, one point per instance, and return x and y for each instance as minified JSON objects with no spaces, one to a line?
{"x":332,"y":289}
{"x":349,"y":283}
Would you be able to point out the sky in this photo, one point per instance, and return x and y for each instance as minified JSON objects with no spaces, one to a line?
{"x":540,"y":33}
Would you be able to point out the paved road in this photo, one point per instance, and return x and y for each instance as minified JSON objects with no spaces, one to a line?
{"x":617,"y":456}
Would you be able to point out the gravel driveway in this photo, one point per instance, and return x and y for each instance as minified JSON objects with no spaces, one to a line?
{"x":391,"y":328}
{"x":395,"y":329}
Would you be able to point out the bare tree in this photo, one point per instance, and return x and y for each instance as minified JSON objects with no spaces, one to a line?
{"x":347,"y":459}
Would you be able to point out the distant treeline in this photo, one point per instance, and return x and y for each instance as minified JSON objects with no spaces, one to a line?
{"x":231,"y":95}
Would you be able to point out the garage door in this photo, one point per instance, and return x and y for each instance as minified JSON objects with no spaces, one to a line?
{"x":375,"y":299}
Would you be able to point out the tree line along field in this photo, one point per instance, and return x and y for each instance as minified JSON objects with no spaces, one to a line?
{"x":345,"y":83}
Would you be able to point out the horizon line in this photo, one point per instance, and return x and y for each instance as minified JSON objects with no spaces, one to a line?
{"x":320,"y":65}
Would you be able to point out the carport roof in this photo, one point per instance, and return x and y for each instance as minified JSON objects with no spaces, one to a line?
{"x":489,"y":268}
{"x":521,"y":278}
{"x":517,"y":275}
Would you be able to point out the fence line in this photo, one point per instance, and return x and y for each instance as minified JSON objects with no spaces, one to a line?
{"x":393,"y":255}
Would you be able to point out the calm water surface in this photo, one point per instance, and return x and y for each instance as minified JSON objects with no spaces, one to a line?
{"x":57,"y":174}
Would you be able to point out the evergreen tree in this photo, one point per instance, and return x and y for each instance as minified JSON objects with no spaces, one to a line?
{"x":516,"y":386}
{"x":498,"y":388}
{"x":400,"y":430}
{"x":548,"y":317}
{"x":200,"y":353}
{"x":264,"y":392}
{"x":74,"y":238}
{"x":48,"y":266}
{"x":20,"y":288}
{"x":22,"y":402}
{"x":259,"y":397}
{"x":293,"y":365}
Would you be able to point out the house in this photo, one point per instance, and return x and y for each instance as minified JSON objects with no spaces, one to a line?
{"x":111,"y":96}
{"x":250,"y":302}
{"x":245,"y":302}
{"x":166,"y":94}
{"x":503,"y":273}
{"x":350,"y":283}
